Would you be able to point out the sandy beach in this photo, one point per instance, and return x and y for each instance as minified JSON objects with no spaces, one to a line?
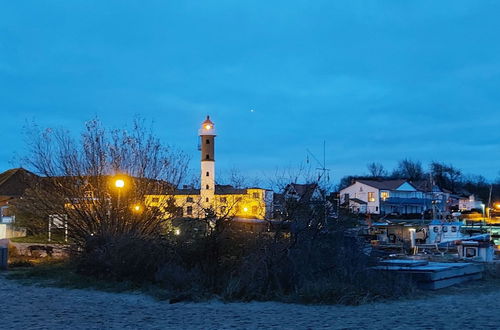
{"x":33,"y":307}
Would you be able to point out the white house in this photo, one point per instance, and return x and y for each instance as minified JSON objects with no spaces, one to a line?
{"x":386,"y":196}
{"x":467,"y":203}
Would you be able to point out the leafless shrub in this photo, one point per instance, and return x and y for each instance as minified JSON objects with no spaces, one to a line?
{"x":77,"y":187}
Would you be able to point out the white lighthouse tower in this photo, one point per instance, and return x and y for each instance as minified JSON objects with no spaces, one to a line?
{"x":207,"y":136}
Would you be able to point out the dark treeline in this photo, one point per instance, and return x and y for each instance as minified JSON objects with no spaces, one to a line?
{"x":444,"y":175}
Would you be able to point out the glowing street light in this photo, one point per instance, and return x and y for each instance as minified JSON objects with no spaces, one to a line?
{"x":119,"y":183}
{"x":136,"y":208}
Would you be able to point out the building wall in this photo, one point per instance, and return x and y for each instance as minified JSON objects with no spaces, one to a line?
{"x":256,"y":203}
{"x":360,"y":191}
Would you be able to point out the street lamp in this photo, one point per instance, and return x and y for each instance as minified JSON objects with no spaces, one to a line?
{"x":136,"y":208}
{"x":119,"y":183}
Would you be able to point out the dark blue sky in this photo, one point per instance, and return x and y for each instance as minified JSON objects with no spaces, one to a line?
{"x":378,"y":82}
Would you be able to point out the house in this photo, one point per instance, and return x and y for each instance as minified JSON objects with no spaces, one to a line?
{"x":387,"y":196}
{"x":13,"y":184}
{"x":297,"y":197}
{"x":305,"y":193}
{"x":468,"y":202}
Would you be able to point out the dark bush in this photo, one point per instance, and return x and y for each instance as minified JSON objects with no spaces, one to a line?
{"x":121,"y":257}
{"x":307,"y":267}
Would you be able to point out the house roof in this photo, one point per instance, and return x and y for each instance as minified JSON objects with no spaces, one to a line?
{"x":384,"y":184}
{"x":219,"y":190}
{"x":15,"y":181}
{"x":187,"y":191}
{"x":426,"y":186}
{"x":225,"y":189}
{"x":304,"y":191}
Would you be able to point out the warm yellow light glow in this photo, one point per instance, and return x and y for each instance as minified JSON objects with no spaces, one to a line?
{"x":207,"y":126}
{"x":177,"y":231}
{"x":136,"y":208}
{"x":245,"y":209}
{"x":119,"y":183}
{"x":497,"y":205}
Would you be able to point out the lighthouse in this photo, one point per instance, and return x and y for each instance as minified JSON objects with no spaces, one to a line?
{"x":207,"y":136}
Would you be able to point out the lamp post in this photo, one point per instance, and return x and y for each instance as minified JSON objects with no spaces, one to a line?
{"x":119,"y":183}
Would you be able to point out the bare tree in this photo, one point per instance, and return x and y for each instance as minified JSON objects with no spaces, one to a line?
{"x":409,"y":169}
{"x":445,"y":176}
{"x":98,"y":182}
{"x":376,"y":170}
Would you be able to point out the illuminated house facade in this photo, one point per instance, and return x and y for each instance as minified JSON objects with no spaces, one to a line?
{"x":391,"y":196}
{"x":223,"y":200}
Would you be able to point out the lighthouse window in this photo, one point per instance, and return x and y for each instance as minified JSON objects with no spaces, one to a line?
{"x":207,"y":200}
{"x":207,"y":186}
{"x":208,"y":173}
{"x":207,"y":156}
{"x":208,"y":141}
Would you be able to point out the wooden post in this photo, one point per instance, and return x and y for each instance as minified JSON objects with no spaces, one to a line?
{"x":4,"y":257}
{"x":50,"y":227}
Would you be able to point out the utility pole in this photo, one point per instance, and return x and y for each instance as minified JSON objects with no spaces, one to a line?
{"x":489,"y":202}
{"x":324,"y":174}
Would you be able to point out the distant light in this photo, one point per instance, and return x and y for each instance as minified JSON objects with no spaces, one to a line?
{"x":208,"y":126}
{"x":119,"y":183}
{"x":245,"y":209}
{"x":252,"y":110}
{"x":137,"y":208}
{"x":177,"y":231}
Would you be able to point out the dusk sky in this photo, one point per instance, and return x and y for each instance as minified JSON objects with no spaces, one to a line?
{"x":378,"y":82}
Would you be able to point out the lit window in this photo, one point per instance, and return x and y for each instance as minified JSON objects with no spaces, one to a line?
{"x":371,"y":197}
{"x":384,"y":195}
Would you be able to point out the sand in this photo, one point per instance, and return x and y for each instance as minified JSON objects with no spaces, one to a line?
{"x":34,"y":307}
